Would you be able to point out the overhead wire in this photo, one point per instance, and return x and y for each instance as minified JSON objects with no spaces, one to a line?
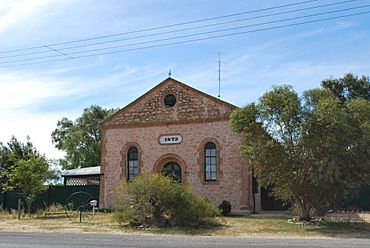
{"x":220,"y":30}
{"x":71,"y":54}
{"x":96,"y":51}
{"x":176,"y":30}
{"x":199,"y":39}
{"x":167,"y":26}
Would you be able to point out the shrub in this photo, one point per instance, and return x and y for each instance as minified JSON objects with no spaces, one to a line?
{"x":157,"y":200}
{"x":192,"y":209}
{"x":225,"y":207}
{"x":55,"y":207}
{"x":126,"y":215}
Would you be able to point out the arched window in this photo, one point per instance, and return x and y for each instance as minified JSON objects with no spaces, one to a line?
{"x":210,"y":162}
{"x":132,"y":163}
{"x":172,"y":170}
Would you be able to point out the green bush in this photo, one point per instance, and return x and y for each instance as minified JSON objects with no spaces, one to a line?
{"x":225,"y":207}
{"x":157,"y":200}
{"x":192,"y":209}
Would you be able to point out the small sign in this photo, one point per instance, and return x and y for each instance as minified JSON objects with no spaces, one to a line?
{"x":170,"y":139}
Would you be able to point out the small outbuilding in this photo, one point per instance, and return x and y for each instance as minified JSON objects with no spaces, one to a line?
{"x":82,"y":176}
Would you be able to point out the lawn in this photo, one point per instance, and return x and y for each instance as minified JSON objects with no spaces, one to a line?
{"x":228,"y":226}
{"x":272,"y":227}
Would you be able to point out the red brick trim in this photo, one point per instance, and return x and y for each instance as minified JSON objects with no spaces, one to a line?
{"x":102,"y":169}
{"x":135,"y":125}
{"x":171,"y":157}
{"x":123,"y":161}
{"x":201,"y":161}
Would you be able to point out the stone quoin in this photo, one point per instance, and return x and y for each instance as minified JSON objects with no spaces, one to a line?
{"x":178,"y":130}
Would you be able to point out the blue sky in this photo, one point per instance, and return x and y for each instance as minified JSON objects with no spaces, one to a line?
{"x":35,"y":96}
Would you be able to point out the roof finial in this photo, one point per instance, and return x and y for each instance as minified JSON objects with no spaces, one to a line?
{"x":169,"y":73}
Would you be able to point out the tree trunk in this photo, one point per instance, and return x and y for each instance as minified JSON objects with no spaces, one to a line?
{"x":29,"y":209}
{"x":304,"y":210}
{"x":305,"y":215}
{"x":29,"y":201}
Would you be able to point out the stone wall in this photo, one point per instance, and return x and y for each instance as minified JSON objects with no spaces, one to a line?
{"x":232,"y":184}
{"x":191,"y":105}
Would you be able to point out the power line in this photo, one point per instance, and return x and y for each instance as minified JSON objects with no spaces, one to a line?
{"x":220,"y":30}
{"x":226,"y":35}
{"x":178,"y":30}
{"x":199,"y":39}
{"x":167,"y":26}
{"x":55,"y":50}
{"x":183,"y":36}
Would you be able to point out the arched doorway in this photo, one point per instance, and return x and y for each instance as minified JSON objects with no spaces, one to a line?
{"x":172,"y":170}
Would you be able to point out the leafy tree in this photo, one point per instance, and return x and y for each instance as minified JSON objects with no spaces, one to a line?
{"x":313,"y":150}
{"x":12,"y":152}
{"x":23,"y":169}
{"x":28,"y":176}
{"x":4,"y":164}
{"x":81,"y":139}
{"x":348,"y":87}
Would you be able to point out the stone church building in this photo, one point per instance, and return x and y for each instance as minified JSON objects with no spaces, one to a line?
{"x":180,"y":131}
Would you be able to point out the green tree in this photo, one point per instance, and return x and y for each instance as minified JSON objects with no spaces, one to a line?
{"x":4,"y":162}
{"x":12,"y":152}
{"x":23,"y":169}
{"x":81,"y":139}
{"x":28,"y":176}
{"x":313,"y":150}
{"x":348,"y":87}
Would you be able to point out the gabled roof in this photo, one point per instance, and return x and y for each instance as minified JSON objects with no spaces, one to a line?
{"x":83,"y":171}
{"x":162,"y":84}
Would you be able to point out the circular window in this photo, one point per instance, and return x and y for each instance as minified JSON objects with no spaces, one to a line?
{"x":170,"y":100}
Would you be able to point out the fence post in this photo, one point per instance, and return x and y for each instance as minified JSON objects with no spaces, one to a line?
{"x":48,"y":192}
{"x":19,"y":208}
{"x":4,"y":202}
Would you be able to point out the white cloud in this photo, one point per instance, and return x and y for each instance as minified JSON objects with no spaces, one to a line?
{"x":39,"y":127}
{"x":14,"y":12}
{"x":19,"y":90}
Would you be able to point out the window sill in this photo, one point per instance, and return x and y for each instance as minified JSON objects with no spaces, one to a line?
{"x":215,"y":182}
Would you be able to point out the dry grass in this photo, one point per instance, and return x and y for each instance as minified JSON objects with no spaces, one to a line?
{"x":56,"y":223}
{"x":279,"y":226}
{"x":229,"y":226}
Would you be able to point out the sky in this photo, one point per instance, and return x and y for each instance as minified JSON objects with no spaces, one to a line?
{"x":35,"y":94}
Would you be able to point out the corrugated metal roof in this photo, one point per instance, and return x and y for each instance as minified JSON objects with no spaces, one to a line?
{"x":83,"y":171}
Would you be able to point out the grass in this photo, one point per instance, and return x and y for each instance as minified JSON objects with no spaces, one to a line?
{"x":269,"y":226}
{"x":279,"y":226}
{"x":228,"y":226}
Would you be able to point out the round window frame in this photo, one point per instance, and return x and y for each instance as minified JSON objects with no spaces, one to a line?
{"x":165,"y":99}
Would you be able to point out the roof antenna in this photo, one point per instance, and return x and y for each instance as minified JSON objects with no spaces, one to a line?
{"x":219,"y":74}
{"x":169,"y":73}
